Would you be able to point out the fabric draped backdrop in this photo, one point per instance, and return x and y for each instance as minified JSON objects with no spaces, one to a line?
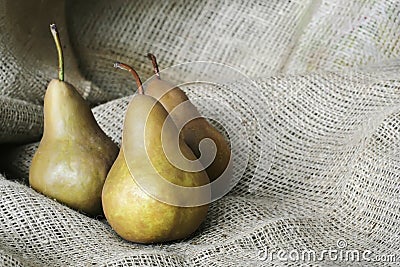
{"x":322,"y":118}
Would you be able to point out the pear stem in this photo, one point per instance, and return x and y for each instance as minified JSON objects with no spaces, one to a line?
{"x":122,"y":66}
{"x":57,"y":41}
{"x":155,"y":65}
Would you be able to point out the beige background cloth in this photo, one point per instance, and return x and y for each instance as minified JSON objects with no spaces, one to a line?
{"x":323,"y":123}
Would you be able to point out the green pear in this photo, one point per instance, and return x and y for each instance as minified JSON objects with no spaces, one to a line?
{"x":193,"y":130}
{"x":74,"y":154}
{"x":140,"y":198}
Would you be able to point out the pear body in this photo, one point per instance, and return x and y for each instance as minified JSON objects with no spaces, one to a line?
{"x":131,"y":211}
{"x":193,"y":131}
{"x":74,"y":155}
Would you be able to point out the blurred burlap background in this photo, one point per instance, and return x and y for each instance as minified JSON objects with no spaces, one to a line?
{"x":324,"y":125}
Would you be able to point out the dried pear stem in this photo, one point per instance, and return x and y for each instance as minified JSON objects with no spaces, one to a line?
{"x":56,"y":38}
{"x":155,"y":65}
{"x":126,"y":67}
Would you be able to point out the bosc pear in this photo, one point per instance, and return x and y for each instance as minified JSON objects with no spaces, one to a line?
{"x":193,"y":130}
{"x":74,"y":154}
{"x":146,"y":198}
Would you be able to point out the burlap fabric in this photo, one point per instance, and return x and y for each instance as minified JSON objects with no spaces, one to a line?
{"x":323,"y":119}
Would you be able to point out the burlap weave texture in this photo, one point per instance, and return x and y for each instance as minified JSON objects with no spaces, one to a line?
{"x":324,"y":126}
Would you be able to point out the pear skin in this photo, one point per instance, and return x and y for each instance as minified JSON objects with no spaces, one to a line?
{"x":131,"y":211}
{"x":74,"y":155}
{"x":193,"y":130}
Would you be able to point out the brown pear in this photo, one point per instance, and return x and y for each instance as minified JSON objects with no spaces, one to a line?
{"x":194,"y":130}
{"x":165,"y":213}
{"x":74,"y":154}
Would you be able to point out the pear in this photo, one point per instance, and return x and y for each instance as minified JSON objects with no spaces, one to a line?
{"x":143,"y":199}
{"x":193,"y":130}
{"x":74,"y":154}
